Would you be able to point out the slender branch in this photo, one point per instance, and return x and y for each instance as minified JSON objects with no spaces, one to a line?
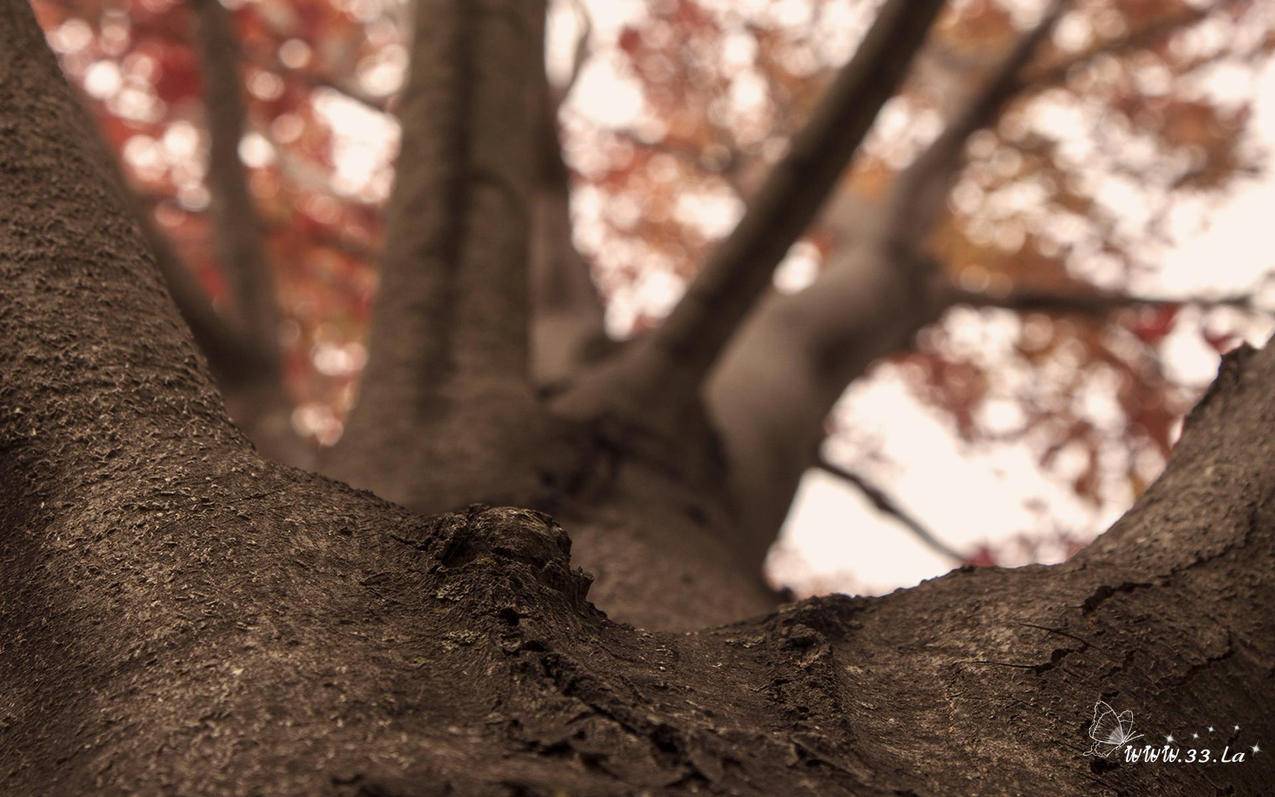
{"x":321,"y":81}
{"x":920,"y":192}
{"x":1055,"y":73}
{"x":232,"y":357}
{"x":1089,"y":304}
{"x":240,"y":235}
{"x":888,"y":506}
{"x":568,"y":323}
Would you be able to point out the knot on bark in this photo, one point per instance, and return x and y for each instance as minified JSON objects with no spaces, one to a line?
{"x":520,"y":541}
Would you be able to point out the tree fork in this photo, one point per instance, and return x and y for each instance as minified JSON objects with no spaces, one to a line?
{"x":662,"y":375}
{"x":181,"y":617}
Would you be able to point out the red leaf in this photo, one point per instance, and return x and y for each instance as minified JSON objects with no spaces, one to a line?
{"x":1152,"y":324}
{"x":630,"y":40}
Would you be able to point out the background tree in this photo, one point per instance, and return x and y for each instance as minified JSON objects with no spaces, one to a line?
{"x":174,"y":590}
{"x":1052,"y":233}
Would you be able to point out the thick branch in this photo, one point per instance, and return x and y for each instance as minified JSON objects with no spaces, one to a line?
{"x":240,"y":236}
{"x":740,"y":268}
{"x":770,"y":396}
{"x":453,"y":298}
{"x":448,"y":367}
{"x":246,"y":369}
{"x":90,"y":335}
{"x":668,"y":367}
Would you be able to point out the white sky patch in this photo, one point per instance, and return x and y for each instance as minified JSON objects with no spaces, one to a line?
{"x":798,"y":269}
{"x":966,"y":497}
{"x":102,"y":79}
{"x":255,"y":151}
{"x":363,"y":141}
{"x":605,"y":97}
{"x":712,"y":214}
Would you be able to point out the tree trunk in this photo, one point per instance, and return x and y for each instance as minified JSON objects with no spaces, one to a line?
{"x":448,"y":370}
{"x":181,"y":617}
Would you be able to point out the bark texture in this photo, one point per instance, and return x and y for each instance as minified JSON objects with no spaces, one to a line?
{"x":181,"y":617}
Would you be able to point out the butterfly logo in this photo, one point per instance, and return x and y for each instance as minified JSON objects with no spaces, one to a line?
{"x":1110,"y":731}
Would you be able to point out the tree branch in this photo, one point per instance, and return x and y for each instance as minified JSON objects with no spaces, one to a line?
{"x":96,"y":359}
{"x":667,"y":368}
{"x":790,"y":362}
{"x":1097,"y":303}
{"x":887,"y":506}
{"x":318,"y":80}
{"x":920,"y":192}
{"x":232,"y":357}
{"x":240,"y":237}
{"x":449,"y":348}
{"x":453,"y":301}
{"x":739,"y":269}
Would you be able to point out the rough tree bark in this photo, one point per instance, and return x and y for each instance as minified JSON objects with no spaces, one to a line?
{"x":180,"y":616}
